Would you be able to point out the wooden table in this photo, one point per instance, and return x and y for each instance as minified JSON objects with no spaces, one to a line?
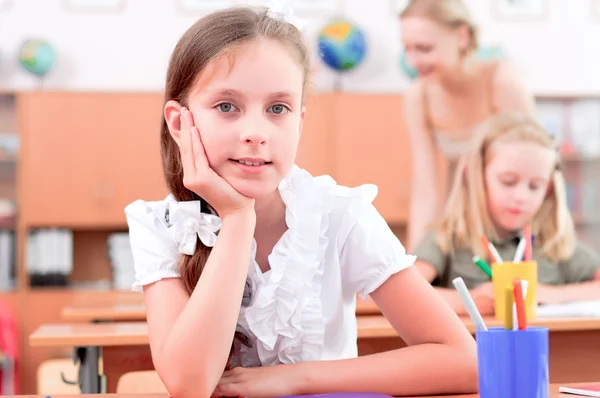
{"x":574,"y":348}
{"x":553,"y":394}
{"x":133,"y":309}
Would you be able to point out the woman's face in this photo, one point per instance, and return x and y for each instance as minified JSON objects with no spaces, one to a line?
{"x":431,"y":48}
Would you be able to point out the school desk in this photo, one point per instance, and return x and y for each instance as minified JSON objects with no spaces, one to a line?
{"x":574,"y":348}
{"x":133,"y":309}
{"x":553,"y":394}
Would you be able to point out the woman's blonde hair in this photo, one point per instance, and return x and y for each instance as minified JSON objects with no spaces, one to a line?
{"x":448,"y":13}
{"x":466,"y":217}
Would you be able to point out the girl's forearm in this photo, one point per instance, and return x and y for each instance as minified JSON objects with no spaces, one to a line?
{"x":426,"y":369}
{"x":210,"y":316}
{"x":550,"y":294}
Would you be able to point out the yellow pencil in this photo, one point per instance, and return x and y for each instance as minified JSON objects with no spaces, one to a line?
{"x":508,"y":307}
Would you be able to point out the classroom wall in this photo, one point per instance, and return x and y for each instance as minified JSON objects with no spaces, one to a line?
{"x":128,"y":51}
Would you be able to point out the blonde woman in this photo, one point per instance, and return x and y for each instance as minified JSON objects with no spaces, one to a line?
{"x":508,"y":178}
{"x":454,"y":92}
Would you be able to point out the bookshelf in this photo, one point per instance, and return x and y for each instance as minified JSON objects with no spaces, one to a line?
{"x":9,"y":153}
{"x":575,"y":122}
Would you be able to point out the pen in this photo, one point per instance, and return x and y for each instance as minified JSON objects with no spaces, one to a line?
{"x":508,"y":307}
{"x":518,"y":296}
{"x":469,"y":304}
{"x":528,"y":242}
{"x":520,"y":251}
{"x":485,"y":268}
{"x":524,"y":285}
{"x":491,"y":250}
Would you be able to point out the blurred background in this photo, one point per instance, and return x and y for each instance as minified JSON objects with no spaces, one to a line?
{"x":80,"y":105}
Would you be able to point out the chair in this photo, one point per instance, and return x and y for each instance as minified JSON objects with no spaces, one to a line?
{"x":57,"y":376}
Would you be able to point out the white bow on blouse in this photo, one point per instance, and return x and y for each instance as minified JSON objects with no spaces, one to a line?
{"x":188,"y":222}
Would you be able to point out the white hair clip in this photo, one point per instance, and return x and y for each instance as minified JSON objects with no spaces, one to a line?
{"x":282,"y":10}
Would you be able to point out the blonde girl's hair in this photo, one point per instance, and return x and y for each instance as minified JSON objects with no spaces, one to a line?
{"x":448,"y":13}
{"x":466,"y":217}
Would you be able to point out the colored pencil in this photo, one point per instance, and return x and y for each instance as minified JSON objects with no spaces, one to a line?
{"x":528,"y":242}
{"x":520,"y":303}
{"x":508,"y":307}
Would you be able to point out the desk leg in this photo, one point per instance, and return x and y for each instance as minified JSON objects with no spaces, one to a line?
{"x":7,"y":376}
{"x":89,"y":379}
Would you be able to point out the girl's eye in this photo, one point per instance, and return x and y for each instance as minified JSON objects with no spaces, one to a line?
{"x":508,"y":183}
{"x":226,"y":107}
{"x":278,"y":109}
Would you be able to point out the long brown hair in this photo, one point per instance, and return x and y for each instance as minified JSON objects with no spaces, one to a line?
{"x":466,"y":215}
{"x":448,"y":13}
{"x":209,"y":38}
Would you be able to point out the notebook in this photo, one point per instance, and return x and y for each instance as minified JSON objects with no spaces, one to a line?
{"x":586,"y":390}
{"x":583,"y":309}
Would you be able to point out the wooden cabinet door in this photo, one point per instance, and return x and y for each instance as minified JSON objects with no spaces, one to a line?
{"x":316,"y":151}
{"x":131,"y":163}
{"x":372,"y":146}
{"x":59,"y":164}
{"x":87,"y":155}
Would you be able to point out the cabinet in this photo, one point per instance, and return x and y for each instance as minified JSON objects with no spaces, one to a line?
{"x":372,"y":147}
{"x":86,"y":155}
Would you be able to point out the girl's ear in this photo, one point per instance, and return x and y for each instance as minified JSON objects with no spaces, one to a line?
{"x":550,"y":187}
{"x":302,"y":116}
{"x":172,"y":113}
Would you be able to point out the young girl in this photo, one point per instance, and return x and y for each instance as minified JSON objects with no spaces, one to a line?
{"x":251,"y":249}
{"x":455,"y":91}
{"x":510,"y":177}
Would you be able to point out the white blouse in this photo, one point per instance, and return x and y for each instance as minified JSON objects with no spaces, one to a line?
{"x":304,"y":307}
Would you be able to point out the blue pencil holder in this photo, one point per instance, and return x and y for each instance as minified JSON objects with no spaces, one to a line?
{"x":513,"y":363}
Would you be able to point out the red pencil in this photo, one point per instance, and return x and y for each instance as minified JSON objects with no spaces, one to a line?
{"x":487,"y":247}
{"x":528,"y":243}
{"x":520,"y":304}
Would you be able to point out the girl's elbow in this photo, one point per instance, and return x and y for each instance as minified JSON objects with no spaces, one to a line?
{"x":182,"y":382}
{"x":187,"y":387}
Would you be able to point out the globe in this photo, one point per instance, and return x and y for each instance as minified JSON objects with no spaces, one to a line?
{"x":342,"y":45}
{"x":37,"y":57}
{"x":483,"y":53}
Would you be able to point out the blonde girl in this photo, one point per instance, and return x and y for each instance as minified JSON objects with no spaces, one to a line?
{"x":251,"y":266}
{"x":509,"y":177}
{"x":454,"y":93}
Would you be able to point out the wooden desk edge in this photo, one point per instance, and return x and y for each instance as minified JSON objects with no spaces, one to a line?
{"x":120,"y":336}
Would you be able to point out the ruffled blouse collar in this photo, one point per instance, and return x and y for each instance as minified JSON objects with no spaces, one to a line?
{"x":284,"y":312}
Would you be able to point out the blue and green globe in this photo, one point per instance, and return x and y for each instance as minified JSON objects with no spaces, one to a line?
{"x":342,"y":45}
{"x":37,"y":57}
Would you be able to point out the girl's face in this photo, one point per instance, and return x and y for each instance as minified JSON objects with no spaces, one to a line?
{"x":248,"y":108}
{"x":517,"y":178}
{"x":431,"y":48}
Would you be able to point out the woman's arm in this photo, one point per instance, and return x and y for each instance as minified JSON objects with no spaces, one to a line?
{"x":423,"y":192}
{"x":441,"y":357}
{"x":191,"y":336}
{"x":509,"y":90}
{"x":550,"y":294}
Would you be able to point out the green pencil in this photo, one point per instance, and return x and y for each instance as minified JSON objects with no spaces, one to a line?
{"x":481,"y":264}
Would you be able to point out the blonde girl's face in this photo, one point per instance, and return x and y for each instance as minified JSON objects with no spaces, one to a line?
{"x":248,"y":109}
{"x":517,"y":178}
{"x":430,"y":48}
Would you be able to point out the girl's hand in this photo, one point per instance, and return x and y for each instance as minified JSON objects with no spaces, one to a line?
{"x":264,"y":381}
{"x":200,"y":178}
{"x":484,"y":298}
